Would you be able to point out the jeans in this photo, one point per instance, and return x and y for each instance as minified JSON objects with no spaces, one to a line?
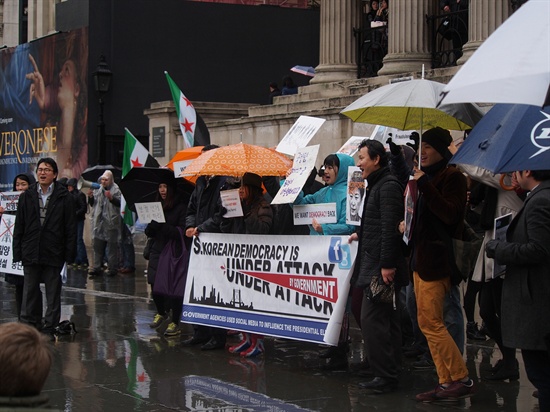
{"x":81,"y":255}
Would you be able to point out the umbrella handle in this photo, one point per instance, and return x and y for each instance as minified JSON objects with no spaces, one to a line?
{"x":504,"y":185}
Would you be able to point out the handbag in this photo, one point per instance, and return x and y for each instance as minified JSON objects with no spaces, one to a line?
{"x":147,"y":248}
{"x":379,"y":292}
{"x":463,"y":252}
{"x":172,"y":268}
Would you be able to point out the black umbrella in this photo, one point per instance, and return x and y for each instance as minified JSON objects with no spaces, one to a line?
{"x":141,"y":184}
{"x":93,"y":173}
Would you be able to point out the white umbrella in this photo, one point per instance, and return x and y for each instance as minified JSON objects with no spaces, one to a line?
{"x":412,"y":105}
{"x":512,"y":65}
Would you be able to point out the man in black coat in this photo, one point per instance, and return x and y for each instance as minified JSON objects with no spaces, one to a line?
{"x":44,"y":240}
{"x":203,"y":216}
{"x":81,"y":207}
{"x":526,"y":286}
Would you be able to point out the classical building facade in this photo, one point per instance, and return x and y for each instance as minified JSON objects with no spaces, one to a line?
{"x":334,"y":86}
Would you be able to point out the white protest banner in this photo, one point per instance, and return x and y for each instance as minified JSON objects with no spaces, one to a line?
{"x":8,"y":200}
{"x":322,"y":212}
{"x":285,"y":286}
{"x":7,"y":265}
{"x":352,"y":145}
{"x":356,"y":196}
{"x":304,"y":162}
{"x":149,"y":211}
{"x":501,"y":226}
{"x":299,"y":135}
{"x":232,"y":202}
{"x":179,"y":167}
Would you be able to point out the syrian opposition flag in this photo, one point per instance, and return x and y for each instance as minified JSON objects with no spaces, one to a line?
{"x":187,"y":116}
{"x":135,"y":155}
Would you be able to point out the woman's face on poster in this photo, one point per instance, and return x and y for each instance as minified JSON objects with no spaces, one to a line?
{"x":354,"y":204}
{"x":68,"y":85}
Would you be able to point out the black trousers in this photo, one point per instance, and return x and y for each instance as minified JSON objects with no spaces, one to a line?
{"x":537,"y":366}
{"x":31,"y":307}
{"x":381,"y":329}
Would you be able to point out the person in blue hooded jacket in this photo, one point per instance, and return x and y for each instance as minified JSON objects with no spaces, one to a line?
{"x":335,"y":191}
{"x":336,"y":178}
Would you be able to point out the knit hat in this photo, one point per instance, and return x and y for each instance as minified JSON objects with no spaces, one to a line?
{"x":439,"y":139}
{"x":252,"y":179}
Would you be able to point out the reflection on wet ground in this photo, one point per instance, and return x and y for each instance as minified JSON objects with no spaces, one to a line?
{"x":116,"y":362}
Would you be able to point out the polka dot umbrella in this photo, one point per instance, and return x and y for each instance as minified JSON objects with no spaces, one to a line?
{"x":237,"y":159}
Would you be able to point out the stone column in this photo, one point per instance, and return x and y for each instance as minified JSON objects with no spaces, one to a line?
{"x":483,"y":19}
{"x":337,"y":60}
{"x":408,"y":36}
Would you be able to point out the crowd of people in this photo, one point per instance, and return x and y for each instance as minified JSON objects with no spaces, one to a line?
{"x":393,"y":283}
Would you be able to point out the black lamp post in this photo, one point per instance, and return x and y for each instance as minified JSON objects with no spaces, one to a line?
{"x":102,"y":83}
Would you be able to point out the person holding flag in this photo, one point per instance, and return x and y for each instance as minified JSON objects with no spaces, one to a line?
{"x":135,"y":155}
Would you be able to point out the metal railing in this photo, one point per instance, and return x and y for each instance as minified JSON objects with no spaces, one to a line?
{"x":372,"y":46}
{"x":448,"y":33}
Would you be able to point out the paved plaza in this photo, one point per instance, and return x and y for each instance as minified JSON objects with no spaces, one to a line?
{"x":117,"y":363}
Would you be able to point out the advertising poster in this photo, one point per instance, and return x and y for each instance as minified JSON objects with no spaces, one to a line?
{"x":44,"y":105}
{"x":293,"y":287}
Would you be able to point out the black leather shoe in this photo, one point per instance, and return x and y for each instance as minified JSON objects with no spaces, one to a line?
{"x":194,"y":341}
{"x":213,"y":344}
{"x":379,"y":385}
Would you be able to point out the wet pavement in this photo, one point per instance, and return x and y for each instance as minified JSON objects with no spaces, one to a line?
{"x":117,"y":363}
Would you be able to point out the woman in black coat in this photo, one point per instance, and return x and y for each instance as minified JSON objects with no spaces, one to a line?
{"x":175,"y":209}
{"x":257,"y":219}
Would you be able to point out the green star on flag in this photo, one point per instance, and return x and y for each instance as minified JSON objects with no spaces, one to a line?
{"x":187,"y":117}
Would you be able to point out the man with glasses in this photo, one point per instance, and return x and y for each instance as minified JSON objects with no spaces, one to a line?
{"x":43,"y":240}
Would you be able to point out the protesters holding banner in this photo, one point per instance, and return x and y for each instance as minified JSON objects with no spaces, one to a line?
{"x":257,"y":220}
{"x":336,"y":191}
{"x":20,"y":184}
{"x":380,"y":261}
{"x":175,"y":209}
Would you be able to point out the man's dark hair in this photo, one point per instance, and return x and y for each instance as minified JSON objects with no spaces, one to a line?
{"x":332,"y":160}
{"x":540,"y":175}
{"x":209,"y":147}
{"x":375,"y":148}
{"x":50,"y":162}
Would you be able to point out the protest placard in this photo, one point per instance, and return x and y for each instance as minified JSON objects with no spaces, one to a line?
{"x":299,"y":135}
{"x":293,"y":287}
{"x":232,"y":202}
{"x":179,"y":167}
{"x":149,"y":211}
{"x":501,"y":226}
{"x":7,"y":265}
{"x":352,"y":145}
{"x":355,"y":196}
{"x":322,"y":212}
{"x":304,"y":162}
{"x":8,"y":200}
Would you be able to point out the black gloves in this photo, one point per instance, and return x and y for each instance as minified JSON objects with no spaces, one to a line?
{"x":394,"y":149}
{"x":491,"y":248}
{"x":152,"y":228}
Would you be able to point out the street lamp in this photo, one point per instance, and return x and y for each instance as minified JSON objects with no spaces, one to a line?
{"x":102,"y":84}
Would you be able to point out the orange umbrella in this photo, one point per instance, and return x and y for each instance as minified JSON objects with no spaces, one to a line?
{"x":185,"y":154}
{"x":237,"y":159}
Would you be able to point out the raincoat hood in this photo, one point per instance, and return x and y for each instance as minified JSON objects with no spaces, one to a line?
{"x":345,"y":162}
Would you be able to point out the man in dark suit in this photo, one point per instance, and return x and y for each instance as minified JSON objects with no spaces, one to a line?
{"x":526,"y":287}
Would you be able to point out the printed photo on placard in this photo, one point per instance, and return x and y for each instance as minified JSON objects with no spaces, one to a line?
{"x":356,"y":196}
